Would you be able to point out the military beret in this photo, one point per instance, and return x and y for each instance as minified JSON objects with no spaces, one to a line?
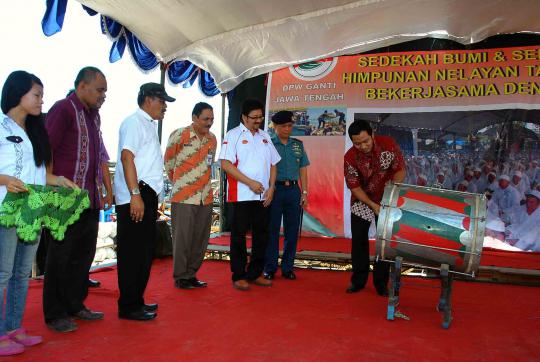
{"x":282,"y":117}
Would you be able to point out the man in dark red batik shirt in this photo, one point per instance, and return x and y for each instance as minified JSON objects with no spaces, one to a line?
{"x":73,"y":125}
{"x":369,"y":165}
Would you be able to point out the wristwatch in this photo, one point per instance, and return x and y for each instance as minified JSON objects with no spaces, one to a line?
{"x":135,"y":191}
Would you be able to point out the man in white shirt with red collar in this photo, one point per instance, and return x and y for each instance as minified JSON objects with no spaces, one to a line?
{"x":249,"y":158}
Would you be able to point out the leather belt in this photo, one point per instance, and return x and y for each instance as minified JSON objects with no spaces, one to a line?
{"x":287,"y":182}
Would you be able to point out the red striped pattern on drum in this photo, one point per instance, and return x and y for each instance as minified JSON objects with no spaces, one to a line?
{"x":451,"y":202}
{"x":429,"y":240}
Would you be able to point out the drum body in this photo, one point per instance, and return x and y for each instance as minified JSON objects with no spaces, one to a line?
{"x":430,"y":227}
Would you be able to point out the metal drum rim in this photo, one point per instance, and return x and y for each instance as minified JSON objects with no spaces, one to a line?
{"x":477,"y":214}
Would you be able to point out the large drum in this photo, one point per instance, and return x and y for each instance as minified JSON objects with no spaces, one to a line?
{"x":430,"y":227}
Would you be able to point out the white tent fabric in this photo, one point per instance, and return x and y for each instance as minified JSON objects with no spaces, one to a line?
{"x":238,"y":39}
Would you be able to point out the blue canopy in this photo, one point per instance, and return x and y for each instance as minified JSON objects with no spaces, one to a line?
{"x":179,"y":71}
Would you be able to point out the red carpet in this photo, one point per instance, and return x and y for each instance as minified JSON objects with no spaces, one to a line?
{"x":304,"y":320}
{"x":490,"y":257}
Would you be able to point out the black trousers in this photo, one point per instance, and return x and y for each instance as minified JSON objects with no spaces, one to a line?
{"x":248,"y":215}
{"x":66,"y":268}
{"x":360,"y":256}
{"x":135,"y":247}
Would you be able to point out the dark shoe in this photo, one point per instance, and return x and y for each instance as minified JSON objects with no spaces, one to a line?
{"x":183,"y":284}
{"x":138,"y":315}
{"x":353,"y":289}
{"x":382,"y":291}
{"x":62,"y":325}
{"x":150,"y":307}
{"x":196,"y":283}
{"x":289,"y":275}
{"x":268,"y":275}
{"x":88,"y":315}
{"x":93,"y":283}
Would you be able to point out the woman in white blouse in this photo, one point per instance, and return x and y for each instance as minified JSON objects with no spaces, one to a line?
{"x":24,"y":156}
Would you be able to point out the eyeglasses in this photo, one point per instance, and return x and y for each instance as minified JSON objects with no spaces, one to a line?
{"x":256,"y":117}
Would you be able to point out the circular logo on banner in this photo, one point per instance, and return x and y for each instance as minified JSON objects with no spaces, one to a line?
{"x":313,"y":70}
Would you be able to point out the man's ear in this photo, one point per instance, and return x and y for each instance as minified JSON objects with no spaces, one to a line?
{"x":147,"y":101}
{"x":80,"y":87}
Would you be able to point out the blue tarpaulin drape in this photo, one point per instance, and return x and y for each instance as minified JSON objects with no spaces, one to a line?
{"x":179,"y":72}
{"x":144,"y":58}
{"x":53,"y":20}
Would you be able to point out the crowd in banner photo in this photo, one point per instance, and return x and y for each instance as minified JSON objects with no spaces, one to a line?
{"x":512,"y":188}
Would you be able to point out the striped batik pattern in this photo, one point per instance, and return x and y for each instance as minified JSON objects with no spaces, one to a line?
{"x":186,"y":164}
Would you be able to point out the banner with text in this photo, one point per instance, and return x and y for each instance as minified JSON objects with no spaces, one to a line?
{"x":466,"y":120}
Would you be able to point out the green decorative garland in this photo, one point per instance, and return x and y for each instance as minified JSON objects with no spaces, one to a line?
{"x":52,"y":207}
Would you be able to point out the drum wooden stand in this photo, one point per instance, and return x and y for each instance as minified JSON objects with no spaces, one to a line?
{"x":445,"y":300}
{"x":445,"y":305}
{"x":395,"y":284}
{"x":430,"y":228}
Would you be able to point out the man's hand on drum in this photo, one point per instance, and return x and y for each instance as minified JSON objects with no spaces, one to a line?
{"x":376,"y":209}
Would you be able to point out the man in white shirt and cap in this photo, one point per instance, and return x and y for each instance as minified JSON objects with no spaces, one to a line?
{"x":491,"y":182}
{"x":137,"y":184}
{"x":477,"y":180}
{"x":487,"y":167}
{"x":469,"y":176}
{"x":524,"y":232}
{"x":492,"y":207}
{"x":507,"y":198}
{"x":524,"y":177}
{"x":442,"y":181}
{"x":495,"y":237}
{"x":462,"y":186}
{"x":520,"y":184}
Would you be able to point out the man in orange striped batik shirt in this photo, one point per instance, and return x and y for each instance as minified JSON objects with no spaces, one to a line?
{"x":188,"y":160}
